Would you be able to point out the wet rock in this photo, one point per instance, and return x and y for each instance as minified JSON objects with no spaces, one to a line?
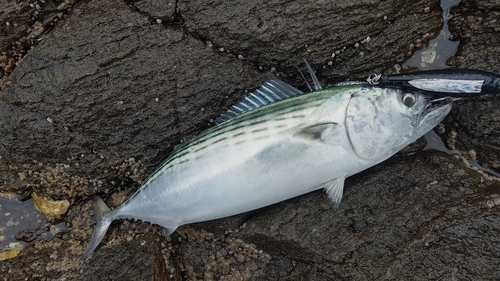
{"x":476,"y":121}
{"x":54,"y":261}
{"x":477,"y":127}
{"x":136,"y":261}
{"x":157,"y":9}
{"x":476,"y":24}
{"x":108,"y":93}
{"x":273,"y":34}
{"x":22,"y":24}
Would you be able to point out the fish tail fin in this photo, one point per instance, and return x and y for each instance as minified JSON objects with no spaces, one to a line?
{"x":104,"y":219}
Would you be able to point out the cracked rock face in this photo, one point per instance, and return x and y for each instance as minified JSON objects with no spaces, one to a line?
{"x":97,"y":100}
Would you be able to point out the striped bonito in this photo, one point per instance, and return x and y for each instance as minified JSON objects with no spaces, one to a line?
{"x":277,"y":144}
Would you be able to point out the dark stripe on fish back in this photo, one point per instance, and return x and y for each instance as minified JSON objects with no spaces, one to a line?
{"x":258,"y":130}
{"x":251,"y":118}
{"x":242,"y":123}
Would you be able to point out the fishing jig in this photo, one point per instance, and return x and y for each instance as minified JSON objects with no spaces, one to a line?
{"x":447,"y":82}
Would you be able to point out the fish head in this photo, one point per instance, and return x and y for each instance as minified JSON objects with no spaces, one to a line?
{"x":382,"y":121}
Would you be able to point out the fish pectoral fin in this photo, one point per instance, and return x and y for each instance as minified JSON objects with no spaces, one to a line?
{"x":324,"y":132}
{"x":335,"y":189}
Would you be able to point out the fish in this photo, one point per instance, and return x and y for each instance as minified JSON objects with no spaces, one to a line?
{"x":278,"y":143}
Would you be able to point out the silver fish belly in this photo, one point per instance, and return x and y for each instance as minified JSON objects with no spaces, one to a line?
{"x":277,"y":144}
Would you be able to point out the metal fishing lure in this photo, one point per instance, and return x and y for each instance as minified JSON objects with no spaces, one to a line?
{"x":443,"y":82}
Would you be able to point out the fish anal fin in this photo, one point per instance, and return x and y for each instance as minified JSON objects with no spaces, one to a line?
{"x":335,"y":189}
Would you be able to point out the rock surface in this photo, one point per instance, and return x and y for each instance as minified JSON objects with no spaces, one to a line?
{"x":107,"y":92}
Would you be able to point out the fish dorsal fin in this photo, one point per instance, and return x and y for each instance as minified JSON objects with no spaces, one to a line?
{"x":317,"y":85}
{"x":270,"y":92}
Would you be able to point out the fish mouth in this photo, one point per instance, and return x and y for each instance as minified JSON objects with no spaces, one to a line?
{"x":429,"y":107}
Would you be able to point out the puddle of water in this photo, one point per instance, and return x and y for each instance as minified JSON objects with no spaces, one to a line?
{"x":20,"y":224}
{"x":16,"y":216}
{"x":440,"y":49}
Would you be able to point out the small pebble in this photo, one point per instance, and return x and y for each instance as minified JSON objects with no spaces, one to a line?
{"x":472,"y":154}
{"x":452,"y":135}
{"x":240,"y":57}
{"x":158,"y":21}
{"x":356,"y":45}
{"x":385,"y":17}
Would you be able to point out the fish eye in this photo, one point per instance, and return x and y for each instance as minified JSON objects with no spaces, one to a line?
{"x":409,"y":99}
